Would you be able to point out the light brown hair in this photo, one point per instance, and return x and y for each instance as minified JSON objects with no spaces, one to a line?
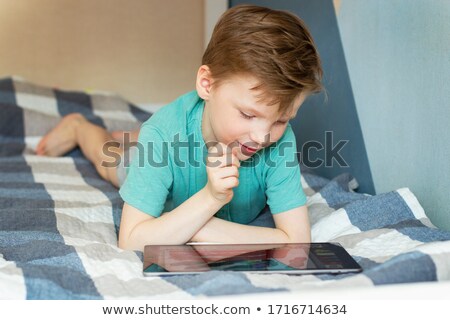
{"x":273,"y":46}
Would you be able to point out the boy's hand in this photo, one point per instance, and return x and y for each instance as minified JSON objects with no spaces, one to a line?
{"x":223,"y":174}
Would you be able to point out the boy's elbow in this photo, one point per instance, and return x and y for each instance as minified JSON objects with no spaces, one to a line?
{"x":121,"y":244}
{"x":125,"y":243}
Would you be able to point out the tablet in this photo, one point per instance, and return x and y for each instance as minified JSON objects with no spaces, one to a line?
{"x":290,"y":258}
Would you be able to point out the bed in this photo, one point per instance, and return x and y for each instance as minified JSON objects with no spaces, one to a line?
{"x":59,"y":219}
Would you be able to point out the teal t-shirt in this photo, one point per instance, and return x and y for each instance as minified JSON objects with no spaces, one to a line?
{"x":169,"y":167}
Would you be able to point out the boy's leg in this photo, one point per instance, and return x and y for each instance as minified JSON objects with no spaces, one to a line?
{"x":74,"y":130}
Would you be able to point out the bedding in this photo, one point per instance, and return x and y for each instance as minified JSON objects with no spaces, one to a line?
{"x":59,"y":219}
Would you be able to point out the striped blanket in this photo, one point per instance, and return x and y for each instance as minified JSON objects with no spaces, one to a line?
{"x":59,"y":219}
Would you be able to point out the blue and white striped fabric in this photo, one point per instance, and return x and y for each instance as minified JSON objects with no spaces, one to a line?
{"x":59,"y":219}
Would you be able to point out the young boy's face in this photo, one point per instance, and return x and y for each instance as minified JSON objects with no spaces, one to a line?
{"x":234,"y":116}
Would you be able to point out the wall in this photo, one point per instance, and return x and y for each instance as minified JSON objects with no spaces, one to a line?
{"x":398,"y":58}
{"x":213,"y":10}
{"x":145,"y":50}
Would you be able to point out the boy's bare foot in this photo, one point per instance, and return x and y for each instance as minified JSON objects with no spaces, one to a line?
{"x":62,"y":138}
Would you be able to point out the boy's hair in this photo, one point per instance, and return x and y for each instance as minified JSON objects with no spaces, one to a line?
{"x":273,"y":46}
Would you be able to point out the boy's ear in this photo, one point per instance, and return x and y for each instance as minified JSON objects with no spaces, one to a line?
{"x":203,"y":83}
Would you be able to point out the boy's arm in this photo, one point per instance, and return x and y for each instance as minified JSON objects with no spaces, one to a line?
{"x":138,"y":229}
{"x":291,"y":226}
{"x":178,"y":226}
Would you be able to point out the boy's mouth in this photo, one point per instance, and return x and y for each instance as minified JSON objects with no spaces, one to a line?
{"x":247,"y":151}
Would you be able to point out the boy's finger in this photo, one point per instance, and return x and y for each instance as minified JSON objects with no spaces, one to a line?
{"x":230,"y":159}
{"x":214,"y":161}
{"x":219,"y":149}
{"x":224,"y":148}
{"x":223,"y":161}
{"x":236,"y":160}
{"x":234,"y":148}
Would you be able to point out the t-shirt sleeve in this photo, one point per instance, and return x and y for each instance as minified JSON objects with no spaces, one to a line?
{"x":150,"y":177}
{"x":283,"y":182}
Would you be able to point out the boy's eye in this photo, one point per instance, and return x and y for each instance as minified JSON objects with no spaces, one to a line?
{"x":246,"y":116}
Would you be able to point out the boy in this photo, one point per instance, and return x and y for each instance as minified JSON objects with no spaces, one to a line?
{"x":208,"y":163}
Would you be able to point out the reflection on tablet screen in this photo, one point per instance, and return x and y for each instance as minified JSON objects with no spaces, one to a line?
{"x":250,"y":258}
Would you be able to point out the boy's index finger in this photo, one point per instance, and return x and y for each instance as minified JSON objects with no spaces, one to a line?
{"x":215,"y":150}
{"x":234,"y":150}
{"x":236,"y":160}
{"x":234,"y":147}
{"x":224,"y":148}
{"x":219,"y":149}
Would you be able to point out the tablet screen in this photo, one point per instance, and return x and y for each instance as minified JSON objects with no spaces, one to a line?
{"x":263,"y":258}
